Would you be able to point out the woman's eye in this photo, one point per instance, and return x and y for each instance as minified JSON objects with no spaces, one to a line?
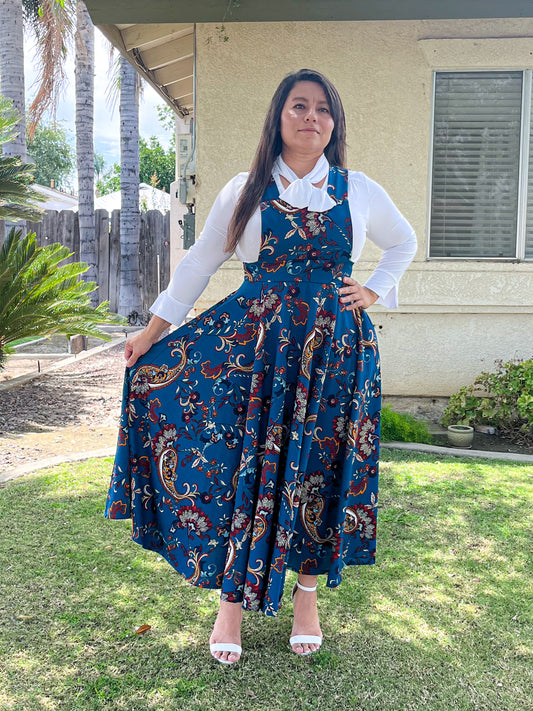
{"x":299,"y":106}
{"x":324,"y":110}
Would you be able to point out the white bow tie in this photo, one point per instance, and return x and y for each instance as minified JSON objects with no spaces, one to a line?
{"x":302,"y":193}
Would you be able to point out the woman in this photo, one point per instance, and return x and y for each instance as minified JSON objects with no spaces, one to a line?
{"x":249,"y":437}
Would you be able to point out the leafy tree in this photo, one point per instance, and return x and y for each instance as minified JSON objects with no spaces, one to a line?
{"x":109,"y":182}
{"x":155,"y":160}
{"x":53,"y":156}
{"x":167,"y":118}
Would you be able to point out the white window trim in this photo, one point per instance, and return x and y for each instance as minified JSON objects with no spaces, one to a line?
{"x":523,"y":168}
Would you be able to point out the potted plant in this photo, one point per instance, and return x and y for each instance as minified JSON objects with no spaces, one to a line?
{"x":460,"y":435}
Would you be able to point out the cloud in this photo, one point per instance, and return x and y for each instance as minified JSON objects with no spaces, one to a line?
{"x":107,"y":122}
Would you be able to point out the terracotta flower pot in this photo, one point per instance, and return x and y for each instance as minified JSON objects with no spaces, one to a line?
{"x":460,"y":436}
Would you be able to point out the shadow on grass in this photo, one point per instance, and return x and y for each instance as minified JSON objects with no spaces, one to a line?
{"x":440,"y":622}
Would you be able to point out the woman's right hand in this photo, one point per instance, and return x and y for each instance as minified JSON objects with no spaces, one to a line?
{"x":136,"y":346}
{"x":141,"y":342}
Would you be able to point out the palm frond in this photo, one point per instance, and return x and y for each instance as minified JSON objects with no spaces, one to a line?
{"x":112,"y":92}
{"x":18,"y":199}
{"x":18,"y":212}
{"x":53,"y":28}
{"x":11,"y":166}
{"x":9,"y":118}
{"x":40,"y":295}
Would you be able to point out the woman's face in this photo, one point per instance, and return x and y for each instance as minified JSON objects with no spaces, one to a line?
{"x":306,"y":124}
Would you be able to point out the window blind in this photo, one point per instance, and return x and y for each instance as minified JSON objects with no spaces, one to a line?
{"x":476,"y":158}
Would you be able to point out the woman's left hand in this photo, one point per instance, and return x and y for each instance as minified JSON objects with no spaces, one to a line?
{"x":356,"y":296}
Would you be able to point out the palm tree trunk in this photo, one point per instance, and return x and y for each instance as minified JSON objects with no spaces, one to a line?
{"x":12,"y":69}
{"x":12,"y":76}
{"x":130,"y":295}
{"x":84,"y":73}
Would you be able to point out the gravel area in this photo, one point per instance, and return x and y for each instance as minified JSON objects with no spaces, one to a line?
{"x":73,"y":409}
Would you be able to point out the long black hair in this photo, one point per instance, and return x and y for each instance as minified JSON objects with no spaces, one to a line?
{"x":270,"y":146}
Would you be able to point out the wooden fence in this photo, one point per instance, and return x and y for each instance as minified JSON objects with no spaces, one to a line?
{"x":154,"y":249}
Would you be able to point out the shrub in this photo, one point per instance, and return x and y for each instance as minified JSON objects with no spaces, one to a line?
{"x":503,"y":399}
{"x":41,"y":295}
{"x":17,"y":196}
{"x":396,"y":427}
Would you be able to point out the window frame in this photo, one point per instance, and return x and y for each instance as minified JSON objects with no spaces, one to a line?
{"x":523,"y":168}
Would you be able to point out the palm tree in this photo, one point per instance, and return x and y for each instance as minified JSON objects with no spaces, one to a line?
{"x":53,"y":23}
{"x":12,"y":16}
{"x":12,"y":69}
{"x":38,"y":295}
{"x":99,"y":165}
{"x":12,"y":75}
{"x":130,"y":295}
{"x":84,"y":72}
{"x":17,"y":197}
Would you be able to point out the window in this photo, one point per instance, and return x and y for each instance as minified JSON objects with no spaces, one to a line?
{"x":482,"y":166}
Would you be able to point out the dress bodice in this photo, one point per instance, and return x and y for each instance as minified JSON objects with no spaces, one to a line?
{"x":298,"y":244}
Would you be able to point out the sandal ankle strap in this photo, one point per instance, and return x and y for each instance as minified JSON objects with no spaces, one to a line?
{"x":303,"y":587}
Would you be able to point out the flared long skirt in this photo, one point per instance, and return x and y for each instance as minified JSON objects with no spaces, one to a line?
{"x":249,"y":442}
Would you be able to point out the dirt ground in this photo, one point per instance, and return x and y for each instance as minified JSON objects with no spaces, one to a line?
{"x":76,"y":408}
{"x":70,"y":410}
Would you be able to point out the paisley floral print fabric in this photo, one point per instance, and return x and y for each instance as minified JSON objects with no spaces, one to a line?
{"x":249,"y":437}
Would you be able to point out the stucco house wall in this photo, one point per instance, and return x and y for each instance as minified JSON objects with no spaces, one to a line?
{"x":455,"y":317}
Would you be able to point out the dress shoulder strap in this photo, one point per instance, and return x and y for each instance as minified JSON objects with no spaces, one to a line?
{"x":338,"y":183}
{"x":271,"y":191}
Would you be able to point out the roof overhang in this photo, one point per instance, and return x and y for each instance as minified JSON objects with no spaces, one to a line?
{"x":163,"y":54}
{"x":159,"y":39}
{"x":158,"y":11}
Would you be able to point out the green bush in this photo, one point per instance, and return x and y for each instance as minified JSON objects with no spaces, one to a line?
{"x":396,"y":427}
{"x":503,"y":399}
{"x":41,"y":295}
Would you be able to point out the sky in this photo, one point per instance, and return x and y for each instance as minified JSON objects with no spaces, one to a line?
{"x":106,"y":124}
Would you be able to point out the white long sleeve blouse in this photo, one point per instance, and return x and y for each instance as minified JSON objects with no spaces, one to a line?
{"x":373,"y":215}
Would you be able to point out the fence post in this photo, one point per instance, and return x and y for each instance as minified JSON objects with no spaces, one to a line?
{"x":36,"y":227}
{"x":68,"y":233}
{"x":63,"y":227}
{"x":144,"y":261}
{"x":114,"y":261}
{"x":47,"y":229}
{"x":164,"y":242}
{"x":101,"y":226}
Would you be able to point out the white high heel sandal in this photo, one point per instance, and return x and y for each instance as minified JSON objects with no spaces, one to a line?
{"x":225,"y":647}
{"x":304,"y":638}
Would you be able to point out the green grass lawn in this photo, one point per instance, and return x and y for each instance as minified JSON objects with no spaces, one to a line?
{"x":443,"y":621}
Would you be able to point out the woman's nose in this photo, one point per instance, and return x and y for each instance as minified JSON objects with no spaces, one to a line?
{"x":311,"y":114}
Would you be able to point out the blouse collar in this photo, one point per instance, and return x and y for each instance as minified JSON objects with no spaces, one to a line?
{"x":301,"y":192}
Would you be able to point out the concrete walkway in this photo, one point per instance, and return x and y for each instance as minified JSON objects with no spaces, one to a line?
{"x":409,"y":446}
{"x":54,"y":461}
{"x":59,"y":364}
{"x":457,"y":452}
